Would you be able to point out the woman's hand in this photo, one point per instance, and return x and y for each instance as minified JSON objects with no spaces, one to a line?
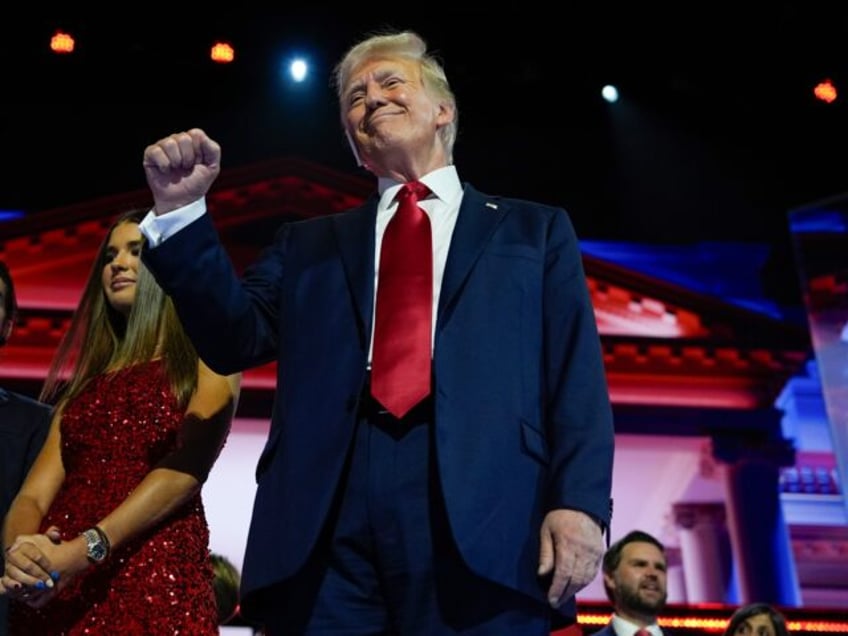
{"x":38,"y":566}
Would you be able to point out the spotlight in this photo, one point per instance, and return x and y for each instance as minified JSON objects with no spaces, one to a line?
{"x":610,"y":93}
{"x":826,"y":91}
{"x":222,"y":53}
{"x":298,"y":70}
{"x":62,"y":43}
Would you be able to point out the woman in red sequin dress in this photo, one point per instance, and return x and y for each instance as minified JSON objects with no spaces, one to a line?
{"x":108,"y":534}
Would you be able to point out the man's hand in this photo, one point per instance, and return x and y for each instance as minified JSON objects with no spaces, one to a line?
{"x":180,"y":168}
{"x":29,"y":575}
{"x":572,"y":548}
{"x":38,"y":566}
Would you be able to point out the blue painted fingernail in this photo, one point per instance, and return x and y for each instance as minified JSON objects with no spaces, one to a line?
{"x":54,"y":575}
{"x":40,"y":585}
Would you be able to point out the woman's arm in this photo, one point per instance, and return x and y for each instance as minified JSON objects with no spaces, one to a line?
{"x":158,"y":495}
{"x":165,"y":489}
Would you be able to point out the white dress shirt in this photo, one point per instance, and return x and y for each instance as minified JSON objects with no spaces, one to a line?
{"x":624,"y":627}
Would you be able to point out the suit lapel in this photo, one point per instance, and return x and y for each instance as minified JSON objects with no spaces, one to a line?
{"x":479,"y":215}
{"x":355,"y":237}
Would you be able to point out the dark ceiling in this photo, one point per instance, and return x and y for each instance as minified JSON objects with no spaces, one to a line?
{"x":716,"y":136}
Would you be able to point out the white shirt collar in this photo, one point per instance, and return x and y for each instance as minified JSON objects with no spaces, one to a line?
{"x":443,"y":183}
{"x":624,"y":627}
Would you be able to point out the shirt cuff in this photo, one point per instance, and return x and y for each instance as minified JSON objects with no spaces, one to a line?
{"x":158,"y":229}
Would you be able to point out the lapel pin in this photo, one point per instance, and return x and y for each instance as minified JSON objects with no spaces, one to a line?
{"x":489,"y":204}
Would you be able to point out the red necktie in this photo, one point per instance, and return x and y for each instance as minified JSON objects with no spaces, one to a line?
{"x":642,"y":632}
{"x":400,"y":362}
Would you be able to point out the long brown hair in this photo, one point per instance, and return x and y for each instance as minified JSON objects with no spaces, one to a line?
{"x":101,"y":339}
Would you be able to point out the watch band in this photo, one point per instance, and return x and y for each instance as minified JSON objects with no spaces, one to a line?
{"x":104,"y":539}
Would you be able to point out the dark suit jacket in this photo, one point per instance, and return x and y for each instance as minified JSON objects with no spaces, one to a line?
{"x":607,"y":630}
{"x":522,"y":415}
{"x":23,"y":427}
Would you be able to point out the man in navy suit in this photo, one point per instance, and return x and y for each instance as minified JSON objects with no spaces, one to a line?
{"x":23,"y":424}
{"x":481,"y":508}
{"x":635,"y":577}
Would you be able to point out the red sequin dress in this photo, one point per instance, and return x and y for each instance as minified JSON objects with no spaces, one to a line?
{"x":113,"y":433}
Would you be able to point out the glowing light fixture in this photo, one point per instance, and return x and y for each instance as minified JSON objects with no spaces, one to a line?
{"x":222,"y":53}
{"x":826,"y":91}
{"x":610,"y":93}
{"x":298,"y":70}
{"x":62,"y":43}
{"x":8,"y":215}
{"x":717,"y":625}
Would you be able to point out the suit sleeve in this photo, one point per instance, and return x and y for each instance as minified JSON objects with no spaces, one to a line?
{"x":578,"y":413}
{"x":232,"y":321}
{"x":40,"y":427}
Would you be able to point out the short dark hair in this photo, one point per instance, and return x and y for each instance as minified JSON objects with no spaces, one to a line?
{"x":10,"y":303}
{"x":755,"y":609}
{"x":612,"y":557}
{"x":9,"y":299}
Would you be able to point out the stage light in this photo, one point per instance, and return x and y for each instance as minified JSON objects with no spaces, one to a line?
{"x":298,"y":70}
{"x":62,"y":43}
{"x":222,"y":53}
{"x":826,"y":91}
{"x":10,"y":215}
{"x":610,"y":93}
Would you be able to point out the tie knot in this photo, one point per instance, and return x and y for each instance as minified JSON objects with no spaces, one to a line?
{"x":642,"y":632}
{"x":415,"y":190}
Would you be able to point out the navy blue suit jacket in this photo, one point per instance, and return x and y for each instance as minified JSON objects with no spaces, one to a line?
{"x":607,"y":630}
{"x":522,"y":414}
{"x":23,"y":428}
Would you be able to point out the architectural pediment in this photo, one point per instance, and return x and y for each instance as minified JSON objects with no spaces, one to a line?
{"x":665,"y":344}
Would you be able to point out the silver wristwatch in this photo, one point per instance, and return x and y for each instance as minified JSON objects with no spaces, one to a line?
{"x":97,"y":545}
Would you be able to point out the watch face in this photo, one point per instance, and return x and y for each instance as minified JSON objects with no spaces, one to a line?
{"x":97,"y":550}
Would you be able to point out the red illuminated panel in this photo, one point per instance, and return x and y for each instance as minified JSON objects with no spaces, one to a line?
{"x":712,"y":619}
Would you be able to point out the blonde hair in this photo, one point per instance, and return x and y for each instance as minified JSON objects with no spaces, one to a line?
{"x":101,"y":339}
{"x":409,"y":45}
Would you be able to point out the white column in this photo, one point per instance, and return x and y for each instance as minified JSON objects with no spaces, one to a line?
{"x":705,"y":551}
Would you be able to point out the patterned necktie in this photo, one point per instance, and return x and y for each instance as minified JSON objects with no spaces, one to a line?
{"x":400,"y":362}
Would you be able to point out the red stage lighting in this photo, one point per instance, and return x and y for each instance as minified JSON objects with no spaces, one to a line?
{"x":222,"y":53}
{"x":62,"y":43}
{"x":826,"y":91}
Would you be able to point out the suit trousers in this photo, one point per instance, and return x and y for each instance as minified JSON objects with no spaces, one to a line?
{"x":387,"y":563}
